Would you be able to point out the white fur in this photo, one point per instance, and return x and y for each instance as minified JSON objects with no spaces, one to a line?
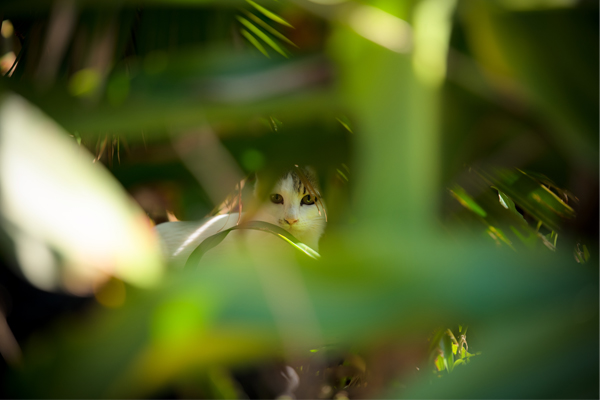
{"x":305,"y":222}
{"x":310,"y":223}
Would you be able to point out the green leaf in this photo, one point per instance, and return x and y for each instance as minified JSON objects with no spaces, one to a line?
{"x":345,"y":123}
{"x":269,"y":14}
{"x":586,"y":253}
{"x":205,"y":246}
{"x":581,"y":254}
{"x":262,"y":35}
{"x":530,"y":240}
{"x":439,"y":363}
{"x":498,"y":235}
{"x":532,"y":197}
{"x":509,"y":205}
{"x":255,"y":42}
{"x":269,"y":28}
{"x":446,"y":346}
{"x":215,"y":239}
{"x":435,"y":341}
{"x":467,"y":201}
{"x":544,"y":180}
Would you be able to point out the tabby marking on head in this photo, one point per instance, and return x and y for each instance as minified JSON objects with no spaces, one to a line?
{"x":293,"y":207}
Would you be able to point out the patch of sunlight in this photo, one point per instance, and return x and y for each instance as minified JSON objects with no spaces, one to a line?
{"x":432,"y":25}
{"x":382,"y":28}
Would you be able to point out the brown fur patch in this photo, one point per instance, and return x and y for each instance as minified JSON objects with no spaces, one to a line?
{"x":297,"y":181}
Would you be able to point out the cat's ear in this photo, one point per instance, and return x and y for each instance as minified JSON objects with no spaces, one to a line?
{"x":310,"y":172}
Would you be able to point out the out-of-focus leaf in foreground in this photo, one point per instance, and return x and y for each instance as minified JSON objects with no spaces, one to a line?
{"x":214,"y":240}
{"x":223,"y":314}
{"x":70,"y":223}
{"x":534,"y":198}
{"x":387,"y":273}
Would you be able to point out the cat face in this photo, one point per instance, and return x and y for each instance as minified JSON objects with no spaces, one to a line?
{"x":291,"y":206}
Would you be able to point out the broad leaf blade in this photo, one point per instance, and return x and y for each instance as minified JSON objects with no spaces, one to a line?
{"x":215,"y":239}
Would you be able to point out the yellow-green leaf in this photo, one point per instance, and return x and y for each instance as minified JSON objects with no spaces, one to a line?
{"x":269,"y":14}
{"x":467,"y":201}
{"x":262,"y":35}
{"x":269,"y":28}
{"x":255,"y":42}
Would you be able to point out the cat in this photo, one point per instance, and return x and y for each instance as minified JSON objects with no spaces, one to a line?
{"x":294,"y":203}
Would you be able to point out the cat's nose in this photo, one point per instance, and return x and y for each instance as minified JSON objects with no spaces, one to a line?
{"x":291,"y":221}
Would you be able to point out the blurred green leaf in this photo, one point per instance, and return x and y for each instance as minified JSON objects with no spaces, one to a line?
{"x":534,"y":198}
{"x":254,"y":42}
{"x":268,"y":28}
{"x":467,"y":201}
{"x":439,"y":363}
{"x":345,"y":123}
{"x":269,"y":14}
{"x":509,"y":204}
{"x":521,"y":44}
{"x":237,"y":301}
{"x":581,"y":253}
{"x":262,"y":35}
{"x":117,"y":89}
{"x":387,"y":271}
{"x":214,"y":240}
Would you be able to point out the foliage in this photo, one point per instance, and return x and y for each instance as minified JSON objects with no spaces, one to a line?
{"x":447,"y":351}
{"x":214,"y":240}
{"x":391,"y":102}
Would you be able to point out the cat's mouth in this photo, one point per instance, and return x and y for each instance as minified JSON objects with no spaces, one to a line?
{"x":287,"y":226}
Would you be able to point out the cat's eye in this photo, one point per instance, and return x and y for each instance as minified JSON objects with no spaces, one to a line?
{"x":277,"y":198}
{"x":308,"y":200}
